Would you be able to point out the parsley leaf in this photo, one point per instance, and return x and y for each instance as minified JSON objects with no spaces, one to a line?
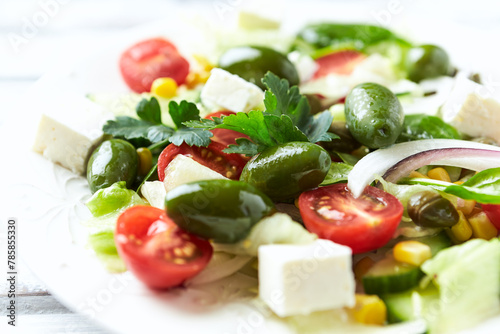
{"x":149,"y":110}
{"x":252,"y":124}
{"x":138,"y":132}
{"x":280,"y":99}
{"x":183,"y":112}
{"x":287,"y":118}
{"x":148,"y":130}
{"x":244,"y":146}
{"x":191,"y":136}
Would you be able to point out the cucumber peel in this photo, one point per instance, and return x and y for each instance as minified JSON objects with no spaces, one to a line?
{"x":390,"y":276}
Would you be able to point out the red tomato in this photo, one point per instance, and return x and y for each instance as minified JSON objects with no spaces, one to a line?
{"x":156,"y":250}
{"x":225,"y":136}
{"x":364,"y":224}
{"x":148,"y":60}
{"x":340,"y":62}
{"x":493,"y":213}
{"x":228,"y":165}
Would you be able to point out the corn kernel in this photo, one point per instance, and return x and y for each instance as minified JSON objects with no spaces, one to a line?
{"x":204,"y":63}
{"x":362,"y":267}
{"x":462,"y":230}
{"x":482,"y":226}
{"x":464,"y":205}
{"x":369,"y":310}
{"x":164,"y":87}
{"x":412,"y":252}
{"x":195,"y":78}
{"x":439,"y":173}
{"x":418,"y":175}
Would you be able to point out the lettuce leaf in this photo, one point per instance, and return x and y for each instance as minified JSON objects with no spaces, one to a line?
{"x":276,"y":229}
{"x":106,"y":205}
{"x":468,"y":280}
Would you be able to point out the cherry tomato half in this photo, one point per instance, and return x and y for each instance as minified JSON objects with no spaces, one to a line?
{"x":228,"y":165}
{"x":148,"y":60}
{"x":364,"y":223}
{"x":225,"y":136}
{"x":493,"y":213}
{"x":340,"y":62}
{"x":157,"y":251}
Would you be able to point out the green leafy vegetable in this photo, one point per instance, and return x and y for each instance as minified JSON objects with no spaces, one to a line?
{"x":244,"y":146}
{"x":183,"y":112}
{"x":111,"y":199}
{"x":321,"y":38}
{"x":138,"y":132}
{"x":465,"y":275}
{"x":280,"y":99}
{"x":190,"y":136}
{"x":287,"y":118}
{"x":149,"y":110}
{"x":276,"y":229}
{"x":484,"y":187}
{"x":105,"y":206}
{"x":420,"y":126}
{"x":338,"y":173}
{"x":148,"y":130}
{"x":103,"y":244}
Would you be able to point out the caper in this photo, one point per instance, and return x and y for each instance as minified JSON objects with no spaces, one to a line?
{"x":430,"y":209}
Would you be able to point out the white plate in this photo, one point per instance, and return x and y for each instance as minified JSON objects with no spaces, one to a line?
{"x":48,"y":201}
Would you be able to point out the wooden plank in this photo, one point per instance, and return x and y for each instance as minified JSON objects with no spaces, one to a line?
{"x":57,"y":323}
{"x":44,"y":314}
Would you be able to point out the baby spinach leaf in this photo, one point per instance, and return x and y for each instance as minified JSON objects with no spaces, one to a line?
{"x":421,"y":126}
{"x":338,"y":172}
{"x":484,"y":187}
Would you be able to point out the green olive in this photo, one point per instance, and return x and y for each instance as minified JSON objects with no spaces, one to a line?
{"x":253,"y":62}
{"x":427,"y":61}
{"x":284,"y":171}
{"x":221,"y":210}
{"x":374,"y":115}
{"x":429,"y":209}
{"x":112,"y":161}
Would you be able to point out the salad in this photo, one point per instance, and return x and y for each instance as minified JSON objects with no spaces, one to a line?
{"x":364,"y":159}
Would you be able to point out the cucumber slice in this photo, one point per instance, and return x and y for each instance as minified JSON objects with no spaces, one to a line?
{"x":399,"y":306}
{"x":436,"y":242}
{"x":390,"y":276}
{"x":409,"y":305}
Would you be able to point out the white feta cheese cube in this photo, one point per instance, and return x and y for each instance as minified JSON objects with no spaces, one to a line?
{"x":154,"y":192}
{"x":300,"y":279}
{"x":305,"y":65}
{"x":229,"y":91}
{"x":473,"y":109}
{"x":64,"y":145}
{"x":183,"y":170}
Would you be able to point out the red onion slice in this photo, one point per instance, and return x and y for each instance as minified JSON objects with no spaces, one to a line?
{"x":397,"y":161}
